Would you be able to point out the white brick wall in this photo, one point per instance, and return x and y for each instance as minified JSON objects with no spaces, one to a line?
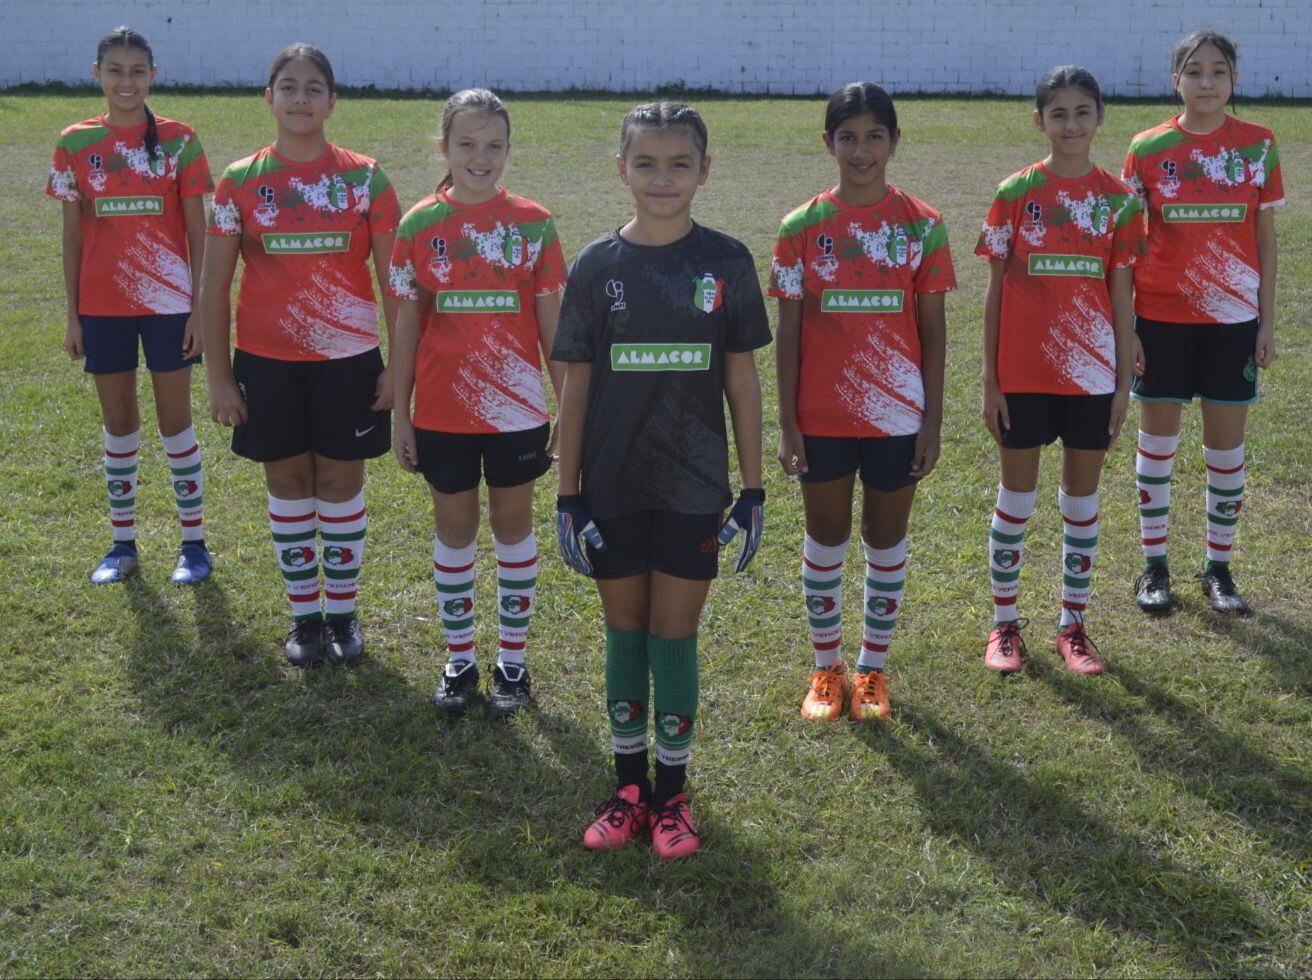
{"x":777,"y":46}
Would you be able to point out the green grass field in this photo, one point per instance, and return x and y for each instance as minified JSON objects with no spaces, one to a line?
{"x":175,"y":800}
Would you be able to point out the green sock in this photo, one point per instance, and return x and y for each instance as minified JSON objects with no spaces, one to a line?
{"x":1155,"y":560}
{"x":674,"y":673}
{"x":627,"y":697}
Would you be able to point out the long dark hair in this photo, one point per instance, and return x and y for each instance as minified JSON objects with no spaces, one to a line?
{"x":126,"y":37}
{"x":1185,"y":48}
{"x":859,"y":99}
{"x":469,"y":100}
{"x":1066,"y":76}
{"x":310,"y":53}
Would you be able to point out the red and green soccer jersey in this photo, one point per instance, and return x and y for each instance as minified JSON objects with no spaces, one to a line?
{"x":306,"y":233}
{"x":1202,"y":193}
{"x":134,"y":237}
{"x":478,"y":369}
{"x":1060,"y":237}
{"x":857,"y":272}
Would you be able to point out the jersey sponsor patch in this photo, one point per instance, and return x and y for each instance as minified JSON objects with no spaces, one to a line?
{"x":1204,"y":213}
{"x":707,"y":293}
{"x":306,"y":243}
{"x":129,"y":207}
{"x":1045,"y":264}
{"x":660,"y":357}
{"x":861,"y":300}
{"x":478,"y":301}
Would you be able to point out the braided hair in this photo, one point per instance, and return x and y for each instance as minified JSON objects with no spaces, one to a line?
{"x":126,"y":37}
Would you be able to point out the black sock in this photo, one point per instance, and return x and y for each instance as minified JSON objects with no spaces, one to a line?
{"x":631,"y":768}
{"x":669,"y":783}
{"x":198,"y":541}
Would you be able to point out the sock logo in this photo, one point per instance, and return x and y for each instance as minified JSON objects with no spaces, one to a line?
{"x":672,"y":725}
{"x":623,"y":712}
{"x":457,"y":607}
{"x":516,"y":605}
{"x":1229,"y":508}
{"x":297,"y":557}
{"x":1005,"y":558}
{"x":707,"y":292}
{"x":119,"y":488}
{"x":1078,"y":564}
{"x":337,"y":555}
{"x":185,"y":488}
{"x":818,"y":605}
{"x":882,"y":605}
{"x":1145,"y":497}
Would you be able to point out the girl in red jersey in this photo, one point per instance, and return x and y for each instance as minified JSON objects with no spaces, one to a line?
{"x":478,"y":272}
{"x":1204,"y":302}
{"x":133,"y":185}
{"x":306,"y":391}
{"x":860,"y":273}
{"x":1061,"y":238}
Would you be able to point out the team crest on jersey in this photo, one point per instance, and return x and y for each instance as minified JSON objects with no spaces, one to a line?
{"x":615,"y":290}
{"x":515,"y":605}
{"x":1250,"y":370}
{"x":707,"y":292}
{"x":96,"y":178}
{"x":119,"y":488}
{"x":337,"y":555}
{"x":515,"y":249}
{"x":1229,"y":508}
{"x":899,"y":247}
{"x":1078,"y":564}
{"x":1006,"y":558}
{"x":297,"y":557}
{"x":624,"y":712}
{"x":882,"y":605}
{"x":672,"y":725}
{"x":185,"y":488}
{"x":453,"y":608}
{"x":818,"y":605}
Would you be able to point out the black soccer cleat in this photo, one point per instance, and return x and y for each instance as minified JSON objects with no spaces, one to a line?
{"x":304,"y":647}
{"x":344,"y":646}
{"x":1220,"y":590}
{"x":458,"y":688}
{"x":1152,"y":589}
{"x":511,"y":689}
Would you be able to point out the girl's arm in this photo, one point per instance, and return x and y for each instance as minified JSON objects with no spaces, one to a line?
{"x":193,"y":217}
{"x":401,"y":362}
{"x":569,"y":422}
{"x":72,"y":242}
{"x":381,"y":245}
{"x":1265,"y":354}
{"x":742,"y":387}
{"x":1121,"y":283}
{"x":547,"y":310}
{"x":932,"y":325}
{"x":227,"y":407}
{"x":788,"y":363}
{"x":995,"y":403}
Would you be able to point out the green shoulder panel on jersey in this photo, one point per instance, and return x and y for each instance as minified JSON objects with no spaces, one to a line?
{"x":1018,"y":185}
{"x":1264,"y":151}
{"x":78,"y":139}
{"x":543,"y":232}
{"x":1125,"y":207}
{"x":932,"y":238}
{"x":811,"y":213}
{"x":252,"y":168}
{"x":190,"y":151}
{"x":1156,"y":140}
{"x":417,"y":219}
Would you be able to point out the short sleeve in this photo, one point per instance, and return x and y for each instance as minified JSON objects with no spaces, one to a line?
{"x":747,"y":326}
{"x":787,"y":266}
{"x":936,"y":273}
{"x":402,"y":280}
{"x":225,"y":215}
{"x":999,"y":226}
{"x":384,"y":208}
{"x":549,"y":276}
{"x":1129,"y":238}
{"x":577,"y":332}
{"x":1273,"y":184}
{"x":193,"y":169}
{"x":62,"y":185}
{"x":1133,"y":175}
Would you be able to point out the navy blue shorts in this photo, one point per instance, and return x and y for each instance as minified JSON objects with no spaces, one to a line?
{"x":884,"y":461}
{"x":111,"y":342}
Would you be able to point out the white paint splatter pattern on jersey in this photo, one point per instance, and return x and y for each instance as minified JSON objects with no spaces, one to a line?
{"x":403,"y":281}
{"x":63,"y":184}
{"x":788,"y":278}
{"x":1082,"y":348}
{"x":1217,"y":166}
{"x":875,"y":244}
{"x":319,"y":194}
{"x":1220,"y":285}
{"x":997,"y":239}
{"x":140,"y":161}
{"x":327,"y":319}
{"x":1084,"y":210}
{"x":1257,"y":168}
{"x":152,"y":275}
{"x":1033,"y":232}
{"x":498,"y":387}
{"x":491,"y":245}
{"x":227,"y":218}
{"x":883,"y":387}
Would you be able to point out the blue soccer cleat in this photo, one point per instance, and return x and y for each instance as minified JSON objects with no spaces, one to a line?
{"x":120,"y":563}
{"x":194,"y":564}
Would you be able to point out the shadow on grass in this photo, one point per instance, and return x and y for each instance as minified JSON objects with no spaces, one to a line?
{"x":1285,"y":646}
{"x":500,"y":806}
{"x":1040,"y":842}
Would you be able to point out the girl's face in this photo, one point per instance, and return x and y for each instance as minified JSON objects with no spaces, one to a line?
{"x":299,"y":98}
{"x":1069,"y":120}
{"x":663,"y":169}
{"x":862,"y":146}
{"x":476,"y":149}
{"x":124,"y":75}
{"x":1205,"y":81}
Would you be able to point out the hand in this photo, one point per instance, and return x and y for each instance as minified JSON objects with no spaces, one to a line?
{"x":227,"y":406}
{"x":748,"y":516}
{"x":1140,"y":362}
{"x":1120,"y":405}
{"x":996,"y":416}
{"x":792,"y":450}
{"x":553,"y":441}
{"x":925,"y":456}
{"x":192,"y":340}
{"x":1265,"y":351}
{"x":73,"y":345}
{"x":403,"y":444}
{"x":574,"y":526}
{"x":383,"y":393}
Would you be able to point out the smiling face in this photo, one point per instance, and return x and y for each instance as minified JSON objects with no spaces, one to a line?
{"x":476,"y":149}
{"x":300,"y":97}
{"x":1205,"y":80}
{"x":663,"y":169}
{"x":1070,"y":118}
{"x":862,"y":146}
{"x":125,"y":75}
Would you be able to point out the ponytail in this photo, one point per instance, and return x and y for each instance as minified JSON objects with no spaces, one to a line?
{"x":446,"y":181}
{"x":152,"y":133}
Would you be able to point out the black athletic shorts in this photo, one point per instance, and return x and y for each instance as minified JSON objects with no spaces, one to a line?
{"x":884,"y":462}
{"x":293,"y":407}
{"x":682,"y":545}
{"x":1079,"y":421}
{"x":111,"y":342}
{"x":451,"y":461}
{"x":1213,"y":361}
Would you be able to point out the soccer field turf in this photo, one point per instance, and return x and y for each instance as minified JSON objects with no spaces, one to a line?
{"x":175,"y":799}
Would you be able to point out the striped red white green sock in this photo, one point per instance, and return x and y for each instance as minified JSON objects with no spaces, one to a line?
{"x":294,"y":525}
{"x":1152,"y":474}
{"x":121,"y":482}
{"x":886,"y":575}
{"x":1079,"y":547}
{"x":822,"y":591}
{"x":517,"y":588}
{"x":453,"y":574}
{"x":342,"y":530}
{"x":183,"y":452}
{"x":1006,"y":549}
{"x":1225,"y":499}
